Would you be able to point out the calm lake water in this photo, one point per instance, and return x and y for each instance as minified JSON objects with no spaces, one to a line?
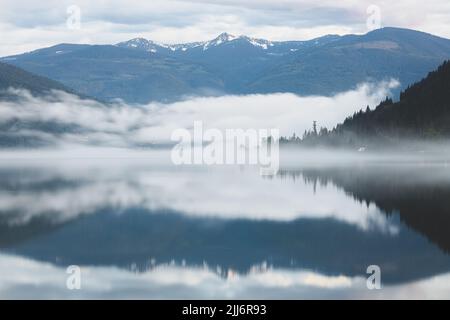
{"x":156,"y":231}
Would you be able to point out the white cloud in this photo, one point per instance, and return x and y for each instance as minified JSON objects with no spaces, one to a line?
{"x":27,"y":25}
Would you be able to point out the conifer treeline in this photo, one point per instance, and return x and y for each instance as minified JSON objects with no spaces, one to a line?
{"x":423,"y":112}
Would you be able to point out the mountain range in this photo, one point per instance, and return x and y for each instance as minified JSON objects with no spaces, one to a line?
{"x":140,"y":70}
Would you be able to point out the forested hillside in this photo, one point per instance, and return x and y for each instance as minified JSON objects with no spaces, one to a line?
{"x":422,"y":113}
{"x":13,"y":77}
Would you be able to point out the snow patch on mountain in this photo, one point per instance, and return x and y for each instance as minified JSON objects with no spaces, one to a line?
{"x":264,"y":44}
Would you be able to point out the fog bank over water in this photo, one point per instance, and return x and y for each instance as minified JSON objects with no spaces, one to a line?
{"x":65,"y":119}
{"x":142,"y":227}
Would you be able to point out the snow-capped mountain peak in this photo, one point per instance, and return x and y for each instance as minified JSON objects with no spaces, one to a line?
{"x":222,"y":38}
{"x":226,"y":37}
{"x":139,"y":43}
{"x":136,"y":42}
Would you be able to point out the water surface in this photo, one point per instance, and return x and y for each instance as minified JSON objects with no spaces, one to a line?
{"x":143,"y":229}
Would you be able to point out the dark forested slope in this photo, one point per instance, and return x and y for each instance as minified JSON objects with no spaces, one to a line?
{"x":14,"y":77}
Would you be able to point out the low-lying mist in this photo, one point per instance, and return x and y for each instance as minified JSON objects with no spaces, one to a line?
{"x":61,"y":119}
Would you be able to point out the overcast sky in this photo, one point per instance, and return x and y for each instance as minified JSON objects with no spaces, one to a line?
{"x":27,"y":25}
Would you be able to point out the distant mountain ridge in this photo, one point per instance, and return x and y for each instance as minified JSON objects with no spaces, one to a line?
{"x":141,"y":70}
{"x":223,"y":39}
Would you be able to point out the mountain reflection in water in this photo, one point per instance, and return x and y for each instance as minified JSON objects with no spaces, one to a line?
{"x":306,"y":227}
